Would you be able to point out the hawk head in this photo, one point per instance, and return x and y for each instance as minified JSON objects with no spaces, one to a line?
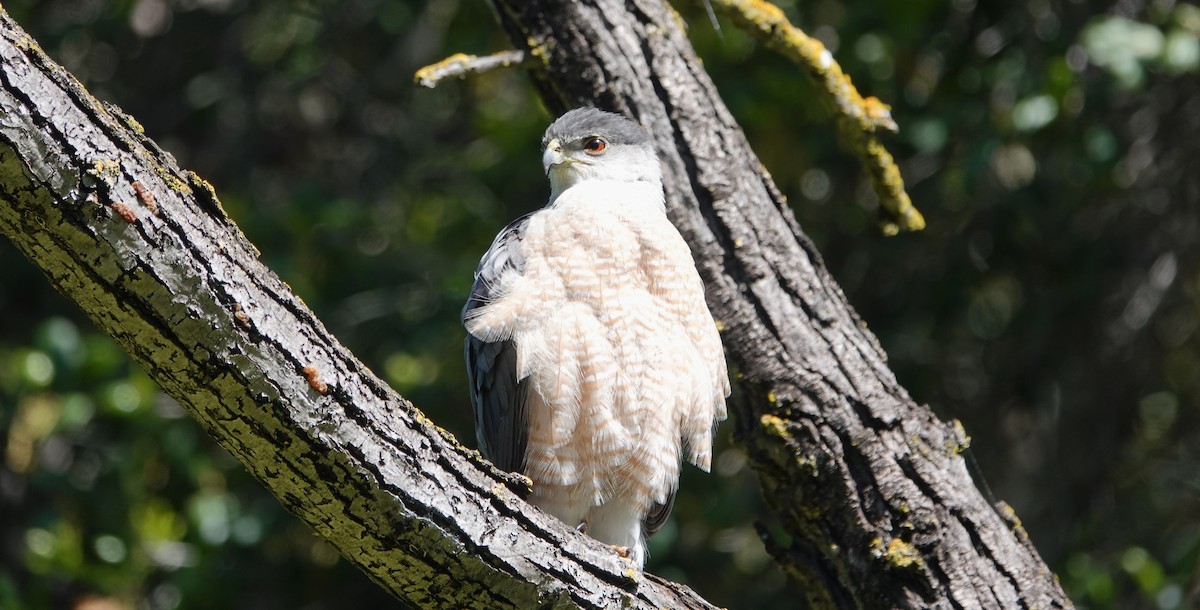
{"x":589,"y":144}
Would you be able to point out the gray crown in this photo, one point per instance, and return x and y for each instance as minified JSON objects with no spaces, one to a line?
{"x":583,"y":122}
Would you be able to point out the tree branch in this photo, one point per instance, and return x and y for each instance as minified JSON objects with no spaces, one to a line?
{"x":870,"y":485}
{"x":183,"y":292}
{"x":460,"y":65}
{"x":858,"y":119}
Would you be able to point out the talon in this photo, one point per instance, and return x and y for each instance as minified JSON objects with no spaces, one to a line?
{"x":582,"y":527}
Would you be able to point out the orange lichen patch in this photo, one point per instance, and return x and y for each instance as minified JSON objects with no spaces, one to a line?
{"x":314,"y":379}
{"x":243,"y":318}
{"x":124,"y":212}
{"x":146,"y":197}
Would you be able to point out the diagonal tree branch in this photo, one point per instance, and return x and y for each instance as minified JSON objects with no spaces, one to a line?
{"x":871,"y":486}
{"x":146,"y":251}
{"x":858,"y":119}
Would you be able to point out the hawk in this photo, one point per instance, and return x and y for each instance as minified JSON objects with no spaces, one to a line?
{"x":595,"y":366}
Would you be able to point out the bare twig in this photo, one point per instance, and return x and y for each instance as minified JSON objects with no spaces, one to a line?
{"x":858,"y":118}
{"x":460,"y":64}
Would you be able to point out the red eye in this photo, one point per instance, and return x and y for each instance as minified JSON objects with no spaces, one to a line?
{"x":595,"y":146}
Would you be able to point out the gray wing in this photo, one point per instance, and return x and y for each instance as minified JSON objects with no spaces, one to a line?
{"x":657,"y":516}
{"x":498,"y":398}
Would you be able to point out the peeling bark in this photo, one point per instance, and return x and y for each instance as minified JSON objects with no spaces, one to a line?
{"x":146,"y":251}
{"x":870,"y":485}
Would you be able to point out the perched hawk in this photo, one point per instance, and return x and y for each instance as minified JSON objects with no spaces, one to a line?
{"x":595,"y":365}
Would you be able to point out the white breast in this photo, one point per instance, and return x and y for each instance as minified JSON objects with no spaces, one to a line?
{"x":610,"y":324}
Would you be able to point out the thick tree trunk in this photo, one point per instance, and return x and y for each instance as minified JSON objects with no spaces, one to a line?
{"x":146,"y":251}
{"x":870,"y":485}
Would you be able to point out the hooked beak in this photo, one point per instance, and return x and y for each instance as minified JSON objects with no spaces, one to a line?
{"x":552,"y":156}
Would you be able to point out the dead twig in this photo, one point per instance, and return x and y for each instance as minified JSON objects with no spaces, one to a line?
{"x":460,"y":64}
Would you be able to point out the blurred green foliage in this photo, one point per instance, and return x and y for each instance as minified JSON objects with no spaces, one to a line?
{"x":1052,"y":304}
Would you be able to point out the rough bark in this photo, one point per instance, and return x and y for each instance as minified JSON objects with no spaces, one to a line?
{"x":870,"y":485}
{"x":146,"y":251}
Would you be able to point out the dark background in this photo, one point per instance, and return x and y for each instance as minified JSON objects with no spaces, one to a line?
{"x":1052,"y":304}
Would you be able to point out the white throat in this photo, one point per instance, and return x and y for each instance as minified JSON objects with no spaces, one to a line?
{"x":606,"y":192}
{"x":635,"y":170}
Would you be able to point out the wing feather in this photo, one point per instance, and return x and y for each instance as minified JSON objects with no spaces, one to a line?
{"x":499,"y":398}
{"x":658,"y":514}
